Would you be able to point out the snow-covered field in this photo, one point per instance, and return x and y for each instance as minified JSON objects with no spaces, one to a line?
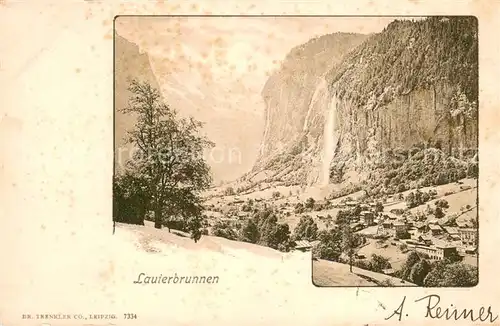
{"x":328,"y":273}
{"x":91,"y":271}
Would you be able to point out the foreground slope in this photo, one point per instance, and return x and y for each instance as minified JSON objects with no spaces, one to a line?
{"x":159,"y":242}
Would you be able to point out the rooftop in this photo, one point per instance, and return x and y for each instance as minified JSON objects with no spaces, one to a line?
{"x":302,"y":244}
{"x":451,"y":230}
{"x":443,"y":244}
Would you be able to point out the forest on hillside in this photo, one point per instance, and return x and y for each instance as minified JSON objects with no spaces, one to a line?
{"x":408,"y":55}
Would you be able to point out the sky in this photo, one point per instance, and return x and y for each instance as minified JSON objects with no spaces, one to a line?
{"x":238,"y":53}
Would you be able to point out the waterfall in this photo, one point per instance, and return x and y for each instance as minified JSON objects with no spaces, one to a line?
{"x":330,"y":139}
{"x":319,"y":92}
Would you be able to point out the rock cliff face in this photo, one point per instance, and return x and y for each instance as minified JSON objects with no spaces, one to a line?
{"x":296,"y":97}
{"x":412,"y":85}
{"x":420,"y":118}
{"x":129,"y":63}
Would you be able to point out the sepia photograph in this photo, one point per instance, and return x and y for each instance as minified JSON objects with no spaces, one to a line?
{"x":349,"y":140}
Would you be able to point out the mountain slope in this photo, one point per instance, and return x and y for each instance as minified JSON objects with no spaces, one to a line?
{"x":295,"y":97}
{"x":129,"y":63}
{"x":412,"y":85}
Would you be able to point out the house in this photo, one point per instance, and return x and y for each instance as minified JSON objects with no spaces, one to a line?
{"x":446,"y":250}
{"x":303,"y":245}
{"x":387,"y":225}
{"x":315,"y":243}
{"x":451,"y":230}
{"x":351,"y":203}
{"x":381,"y":230}
{"x":242,"y":215}
{"x":463,"y":225}
{"x":437,"y":252}
{"x":468,"y":236}
{"x":470,"y":250}
{"x":390,"y":216}
{"x":356,"y":226}
{"x":435,"y":229}
{"x":389,"y":271}
{"x":367,"y":217}
{"x":414,"y":242}
{"x":397,"y":211}
{"x":364,"y":206}
{"x":400,"y":229}
{"x":421,"y":227}
{"x":359,"y":256}
{"x":425,"y":239}
{"x":452,"y":233}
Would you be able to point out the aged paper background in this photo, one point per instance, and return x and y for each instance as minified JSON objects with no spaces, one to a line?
{"x":57,"y":254}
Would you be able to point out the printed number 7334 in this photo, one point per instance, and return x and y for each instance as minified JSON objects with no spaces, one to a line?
{"x":129,"y":316}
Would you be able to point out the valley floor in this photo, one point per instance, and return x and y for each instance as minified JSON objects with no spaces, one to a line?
{"x":461,"y":197}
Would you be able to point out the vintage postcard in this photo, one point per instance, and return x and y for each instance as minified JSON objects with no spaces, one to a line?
{"x":196,"y":164}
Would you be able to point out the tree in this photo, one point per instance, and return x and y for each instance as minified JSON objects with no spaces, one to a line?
{"x":438,"y":212}
{"x":306,"y":229}
{"x":310,"y":203}
{"x":379,"y":263}
{"x":299,"y":208}
{"x":272,"y":234}
{"x":250,"y":232}
{"x":187,"y":209}
{"x":425,"y":197}
{"x":379,"y":207}
{"x":356,"y":210}
{"x":418,"y":197}
{"x":195,"y":227}
{"x":411,"y":260}
{"x":411,"y":200}
{"x":343,"y":217}
{"x":443,"y":203}
{"x":348,"y":244}
{"x":130,"y":198}
{"x":330,"y":245}
{"x":472,"y":170}
{"x":224,"y":230}
{"x":452,"y":275}
{"x":168,"y":154}
{"x":229,"y":191}
{"x":419,"y":271}
{"x":387,"y":283}
{"x":279,"y":237}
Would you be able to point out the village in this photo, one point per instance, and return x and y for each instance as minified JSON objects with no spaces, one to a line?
{"x":442,"y":225}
